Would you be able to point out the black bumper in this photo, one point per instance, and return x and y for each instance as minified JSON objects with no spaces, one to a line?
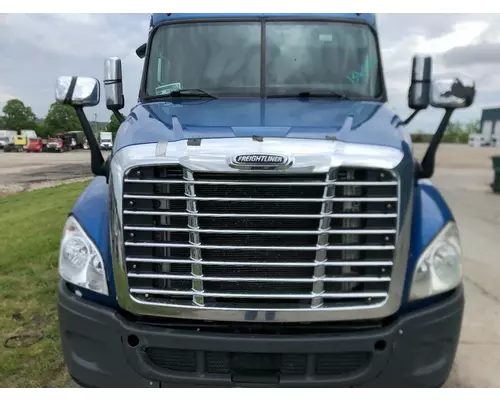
{"x":101,"y":350}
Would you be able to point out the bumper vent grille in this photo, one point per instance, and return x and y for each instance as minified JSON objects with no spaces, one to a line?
{"x":288,"y":364}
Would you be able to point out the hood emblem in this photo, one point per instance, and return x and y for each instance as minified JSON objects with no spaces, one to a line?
{"x":260,"y":161}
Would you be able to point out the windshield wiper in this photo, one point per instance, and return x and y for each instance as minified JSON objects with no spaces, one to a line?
{"x":310,"y":93}
{"x":190,"y":93}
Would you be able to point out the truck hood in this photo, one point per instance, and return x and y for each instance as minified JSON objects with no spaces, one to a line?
{"x":350,"y":121}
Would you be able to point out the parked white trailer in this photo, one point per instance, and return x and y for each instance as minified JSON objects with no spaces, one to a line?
{"x":29,"y":133}
{"x":6,"y":137}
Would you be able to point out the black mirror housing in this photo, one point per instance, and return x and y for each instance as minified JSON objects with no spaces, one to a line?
{"x":420,"y":87}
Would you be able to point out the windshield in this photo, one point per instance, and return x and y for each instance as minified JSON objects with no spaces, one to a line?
{"x":224,"y":59}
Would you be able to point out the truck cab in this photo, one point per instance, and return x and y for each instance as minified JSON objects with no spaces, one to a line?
{"x":34,"y":145}
{"x":59,"y":143}
{"x":262,"y":219}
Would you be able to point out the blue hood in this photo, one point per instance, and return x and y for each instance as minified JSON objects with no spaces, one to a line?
{"x":349,"y":121}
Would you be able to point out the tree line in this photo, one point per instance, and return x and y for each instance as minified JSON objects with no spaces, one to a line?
{"x":456,"y":132}
{"x":60,"y":118}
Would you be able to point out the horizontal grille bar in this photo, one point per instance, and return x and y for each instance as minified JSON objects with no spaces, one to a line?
{"x":305,"y":216}
{"x":259,"y":279}
{"x":266,"y":232}
{"x":260,"y":295}
{"x":269,"y":264}
{"x":256,"y":199}
{"x":284,"y":248}
{"x":263,"y":183}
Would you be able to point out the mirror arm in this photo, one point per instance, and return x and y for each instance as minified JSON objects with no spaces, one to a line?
{"x":118,"y":115}
{"x":96,"y":158}
{"x":409,"y":119}
{"x":426,"y":169}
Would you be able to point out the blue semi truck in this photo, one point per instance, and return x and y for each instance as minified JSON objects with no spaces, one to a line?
{"x":262,"y":219}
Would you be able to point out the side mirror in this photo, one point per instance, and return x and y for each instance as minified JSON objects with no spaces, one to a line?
{"x":141,"y":51}
{"x":81,"y":92}
{"x":452,"y":93}
{"x":419,"y":93}
{"x":78,"y":91}
{"x":113,"y":85}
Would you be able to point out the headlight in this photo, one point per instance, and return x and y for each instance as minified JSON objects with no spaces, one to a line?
{"x":439,"y":268}
{"x":79,"y":259}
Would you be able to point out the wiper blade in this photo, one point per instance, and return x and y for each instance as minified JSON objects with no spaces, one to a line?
{"x":190,"y":93}
{"x":307,"y":94}
{"x":328,"y":93}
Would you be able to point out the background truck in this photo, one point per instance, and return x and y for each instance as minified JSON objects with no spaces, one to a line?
{"x":35,"y":145}
{"x":6,"y":137}
{"x":77,"y":139}
{"x":261,"y":221}
{"x":59,"y":143}
{"x":20,"y":140}
{"x":106,"y":139}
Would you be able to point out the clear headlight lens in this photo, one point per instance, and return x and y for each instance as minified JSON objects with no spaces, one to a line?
{"x":79,"y":259}
{"x":439,"y":268}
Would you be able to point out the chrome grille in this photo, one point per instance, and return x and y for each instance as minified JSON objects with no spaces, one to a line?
{"x":260,"y":241}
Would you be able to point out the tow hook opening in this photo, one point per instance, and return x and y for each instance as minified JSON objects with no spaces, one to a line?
{"x":133,"y":340}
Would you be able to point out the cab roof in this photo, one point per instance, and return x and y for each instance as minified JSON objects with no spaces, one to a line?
{"x":159,"y":18}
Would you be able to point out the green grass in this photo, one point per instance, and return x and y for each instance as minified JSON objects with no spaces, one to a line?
{"x":30,"y":230}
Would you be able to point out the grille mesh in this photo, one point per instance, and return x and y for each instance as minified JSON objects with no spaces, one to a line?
{"x":249,"y":240}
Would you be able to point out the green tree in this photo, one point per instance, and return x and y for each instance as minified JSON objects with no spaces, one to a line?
{"x":113,"y":124}
{"x":17,"y":116}
{"x":42,"y":130}
{"x":61,"y":118}
{"x":472,"y":126}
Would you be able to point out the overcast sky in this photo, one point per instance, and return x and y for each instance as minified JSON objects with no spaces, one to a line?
{"x":35,"y":49}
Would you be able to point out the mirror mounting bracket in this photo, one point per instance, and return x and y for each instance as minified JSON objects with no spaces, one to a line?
{"x":96,"y":158}
{"x":410,"y":118}
{"x":118,"y":115}
{"x":426,"y":169}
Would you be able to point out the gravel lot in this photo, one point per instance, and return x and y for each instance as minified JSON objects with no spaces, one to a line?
{"x":463,"y":174}
{"x":26,"y":171}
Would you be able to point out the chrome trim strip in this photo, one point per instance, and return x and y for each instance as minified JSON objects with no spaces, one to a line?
{"x":194,"y":239}
{"x":319,"y":247}
{"x":261,"y":232}
{"x":264,"y":183}
{"x":361,"y":295}
{"x":302,"y":216}
{"x":322,"y":242}
{"x":251,"y":199}
{"x":258,"y":263}
{"x":310,"y":156}
{"x":260,"y":279}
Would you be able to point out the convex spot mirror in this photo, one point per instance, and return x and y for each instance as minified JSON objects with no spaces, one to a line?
{"x":113,"y":85}
{"x":78,"y":91}
{"x":452,"y":93}
{"x":419,"y":92}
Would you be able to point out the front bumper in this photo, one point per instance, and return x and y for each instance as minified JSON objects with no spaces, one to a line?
{"x":104,"y":349}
